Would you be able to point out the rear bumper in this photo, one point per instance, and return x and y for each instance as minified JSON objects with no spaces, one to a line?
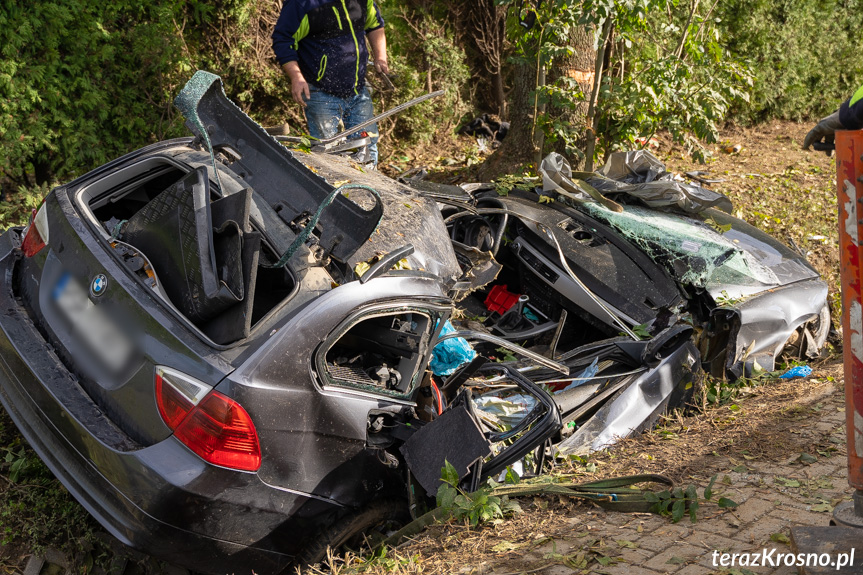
{"x":161,"y":499}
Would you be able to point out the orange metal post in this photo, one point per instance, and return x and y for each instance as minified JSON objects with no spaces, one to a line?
{"x":849,"y":180}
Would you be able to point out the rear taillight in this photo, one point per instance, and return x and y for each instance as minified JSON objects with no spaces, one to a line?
{"x":36,"y":236}
{"x":212,"y":425}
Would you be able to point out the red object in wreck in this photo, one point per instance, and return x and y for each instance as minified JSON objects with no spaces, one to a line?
{"x":849,"y":167}
{"x":500,"y":299}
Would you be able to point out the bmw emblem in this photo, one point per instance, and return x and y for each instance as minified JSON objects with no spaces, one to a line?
{"x":98,"y":285}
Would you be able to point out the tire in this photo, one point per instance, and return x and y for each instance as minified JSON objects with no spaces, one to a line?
{"x":818,"y":327}
{"x":352,"y":531}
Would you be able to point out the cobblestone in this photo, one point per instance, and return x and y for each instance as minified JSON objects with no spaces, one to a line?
{"x":766,"y":507}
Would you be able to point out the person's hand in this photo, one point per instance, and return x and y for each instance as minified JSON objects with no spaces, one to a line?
{"x":300,"y":89}
{"x":381,"y":66}
{"x":299,"y":86}
{"x":824,"y":130}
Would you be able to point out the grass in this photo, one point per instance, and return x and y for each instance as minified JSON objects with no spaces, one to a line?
{"x":36,"y":511}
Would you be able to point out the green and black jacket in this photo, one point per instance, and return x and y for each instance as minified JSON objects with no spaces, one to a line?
{"x":328,"y":40}
{"x":851,"y":112}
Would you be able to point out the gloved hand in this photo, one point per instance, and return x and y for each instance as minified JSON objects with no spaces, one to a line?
{"x":824,"y":130}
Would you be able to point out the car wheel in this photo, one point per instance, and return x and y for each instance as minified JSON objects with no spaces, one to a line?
{"x":360,"y":529}
{"x":809,"y":338}
{"x":820,"y":329}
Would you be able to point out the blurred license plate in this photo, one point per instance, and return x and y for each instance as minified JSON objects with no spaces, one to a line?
{"x":92,"y":325}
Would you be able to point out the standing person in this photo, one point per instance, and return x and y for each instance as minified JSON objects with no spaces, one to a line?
{"x":321,"y":46}
{"x":848,"y":117}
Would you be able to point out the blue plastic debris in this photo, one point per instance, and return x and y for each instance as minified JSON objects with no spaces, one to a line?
{"x":797,"y":371}
{"x":448,"y":355}
{"x":589,"y":372}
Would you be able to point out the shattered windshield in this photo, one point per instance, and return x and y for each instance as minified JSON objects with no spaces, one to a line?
{"x":717,"y":254}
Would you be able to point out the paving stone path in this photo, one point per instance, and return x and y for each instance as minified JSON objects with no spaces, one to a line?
{"x":773,"y":497}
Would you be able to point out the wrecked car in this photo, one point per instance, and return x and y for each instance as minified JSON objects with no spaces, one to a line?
{"x":224,"y":356}
{"x":234,"y":355}
{"x":569,"y":266}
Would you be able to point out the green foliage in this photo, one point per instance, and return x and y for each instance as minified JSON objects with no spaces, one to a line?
{"x":36,"y":511}
{"x":82,"y":82}
{"x":507,"y":183}
{"x":668,"y":70}
{"x":475,"y":508}
{"x":505,"y":354}
{"x":18,"y":462}
{"x":424,"y":57}
{"x":805,"y":53}
{"x":512,"y":477}
{"x":723,"y":392}
{"x":231,"y":38}
{"x":679,"y":502}
{"x":16,"y":208}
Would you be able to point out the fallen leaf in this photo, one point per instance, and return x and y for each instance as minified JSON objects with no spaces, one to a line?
{"x":780,"y":538}
{"x":505,"y":546}
{"x":786,"y":482}
{"x":361,"y":268}
{"x":807,"y":459}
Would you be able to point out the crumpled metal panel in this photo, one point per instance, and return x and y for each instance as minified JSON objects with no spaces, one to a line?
{"x":270,"y":169}
{"x":639,"y":174}
{"x":768,"y":321}
{"x":639,"y":406}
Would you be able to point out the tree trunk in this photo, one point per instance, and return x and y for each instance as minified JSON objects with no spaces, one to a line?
{"x":499,"y":94}
{"x":580,"y":67}
{"x":486,"y":30}
{"x":517,"y":149}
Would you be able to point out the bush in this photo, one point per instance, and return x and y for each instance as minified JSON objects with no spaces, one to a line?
{"x":82,"y":82}
{"x":805,"y":53}
{"x":670,"y":71}
{"x":425,"y":57}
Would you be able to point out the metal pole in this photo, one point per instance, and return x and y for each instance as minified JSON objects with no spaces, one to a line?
{"x":849,"y":181}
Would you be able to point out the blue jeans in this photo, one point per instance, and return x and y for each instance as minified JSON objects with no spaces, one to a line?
{"x":323,"y":112}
